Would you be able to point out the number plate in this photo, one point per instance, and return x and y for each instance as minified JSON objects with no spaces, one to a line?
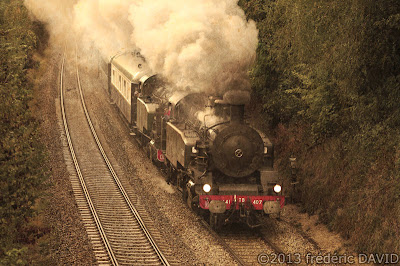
{"x":256,"y":201}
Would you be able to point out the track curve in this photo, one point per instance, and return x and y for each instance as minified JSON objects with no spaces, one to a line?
{"x":118,"y":233}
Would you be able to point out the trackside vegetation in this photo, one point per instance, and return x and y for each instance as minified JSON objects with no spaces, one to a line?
{"x":328,"y":74}
{"x":22,"y":175}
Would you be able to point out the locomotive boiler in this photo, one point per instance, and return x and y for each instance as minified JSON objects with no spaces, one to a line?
{"x":222,"y":166}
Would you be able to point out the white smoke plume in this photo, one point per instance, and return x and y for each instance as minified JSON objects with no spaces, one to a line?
{"x":206,"y":45}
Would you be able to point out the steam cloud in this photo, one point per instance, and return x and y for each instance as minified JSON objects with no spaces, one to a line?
{"x":206,"y":45}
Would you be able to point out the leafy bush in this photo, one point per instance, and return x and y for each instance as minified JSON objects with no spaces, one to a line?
{"x":21,"y":155}
{"x":328,"y":72}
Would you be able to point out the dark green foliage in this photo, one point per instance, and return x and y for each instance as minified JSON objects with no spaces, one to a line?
{"x":21,"y":156}
{"x":329,"y":75}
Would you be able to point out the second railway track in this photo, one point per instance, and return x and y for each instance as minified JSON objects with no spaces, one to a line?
{"x":117,"y":232}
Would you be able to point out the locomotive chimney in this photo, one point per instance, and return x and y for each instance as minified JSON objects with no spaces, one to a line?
{"x":237,"y":113}
{"x":237,"y":99}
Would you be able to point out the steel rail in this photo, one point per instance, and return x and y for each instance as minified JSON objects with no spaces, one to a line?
{"x":134,"y":211}
{"x":229,"y":248}
{"x":222,"y":242}
{"x":303,"y":234}
{"x":277,"y":249}
{"x":96,"y":219}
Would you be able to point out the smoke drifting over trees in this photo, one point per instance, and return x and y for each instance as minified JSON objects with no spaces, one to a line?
{"x":205,"y":45}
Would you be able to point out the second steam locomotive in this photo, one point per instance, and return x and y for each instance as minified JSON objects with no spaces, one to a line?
{"x":223,"y":167}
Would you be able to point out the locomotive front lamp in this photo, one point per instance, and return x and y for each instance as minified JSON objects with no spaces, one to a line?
{"x":265,"y":150}
{"x":194,"y":150}
{"x":277,"y":188}
{"x":191,"y":183}
{"x":206,"y":188}
{"x":292,"y":161}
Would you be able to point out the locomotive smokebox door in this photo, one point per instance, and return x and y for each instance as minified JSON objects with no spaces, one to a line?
{"x":238,"y":151}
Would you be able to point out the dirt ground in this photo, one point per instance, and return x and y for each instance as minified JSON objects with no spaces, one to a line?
{"x":328,"y":241}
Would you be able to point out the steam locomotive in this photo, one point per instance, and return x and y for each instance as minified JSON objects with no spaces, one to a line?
{"x":222,"y":166}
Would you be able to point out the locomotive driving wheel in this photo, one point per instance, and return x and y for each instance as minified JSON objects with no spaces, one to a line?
{"x":185,"y":194}
{"x":148,"y":152}
{"x":189,"y":198}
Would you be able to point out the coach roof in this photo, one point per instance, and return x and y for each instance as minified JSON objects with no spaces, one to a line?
{"x":132,"y":67}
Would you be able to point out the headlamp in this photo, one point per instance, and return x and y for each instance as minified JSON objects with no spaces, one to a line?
{"x":206,"y":188}
{"x":277,"y":188}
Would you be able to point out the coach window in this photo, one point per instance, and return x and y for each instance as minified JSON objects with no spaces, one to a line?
{"x":125,"y":88}
{"x":113,"y":76}
{"x":119,"y":84}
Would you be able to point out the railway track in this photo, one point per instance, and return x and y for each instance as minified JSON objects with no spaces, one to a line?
{"x":117,"y":231}
{"x":315,"y":245}
{"x":258,"y":247}
{"x":244,"y":244}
